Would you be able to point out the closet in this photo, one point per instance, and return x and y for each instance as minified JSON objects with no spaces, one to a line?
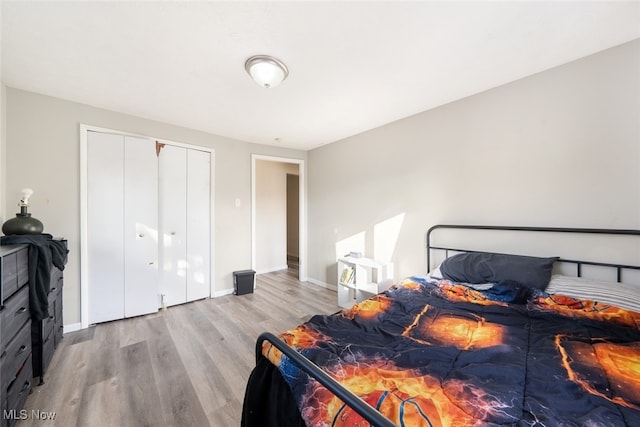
{"x":147,"y":225}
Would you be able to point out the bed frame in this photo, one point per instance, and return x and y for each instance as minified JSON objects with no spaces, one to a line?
{"x":578,"y":263}
{"x":374,"y":417}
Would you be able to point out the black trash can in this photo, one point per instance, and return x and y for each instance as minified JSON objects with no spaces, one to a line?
{"x":243,"y":281}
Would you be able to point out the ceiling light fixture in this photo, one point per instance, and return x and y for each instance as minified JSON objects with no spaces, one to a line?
{"x":266,"y":70}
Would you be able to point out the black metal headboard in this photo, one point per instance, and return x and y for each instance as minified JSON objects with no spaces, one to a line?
{"x":578,"y":263}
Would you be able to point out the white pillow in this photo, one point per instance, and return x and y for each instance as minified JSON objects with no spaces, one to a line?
{"x":623,"y":295}
{"x":436,"y":274}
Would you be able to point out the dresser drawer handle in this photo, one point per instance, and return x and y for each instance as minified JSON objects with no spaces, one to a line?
{"x":21,"y":310}
{"x":22,"y":349}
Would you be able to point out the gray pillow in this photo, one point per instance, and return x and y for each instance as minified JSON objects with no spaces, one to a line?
{"x":481,"y":267}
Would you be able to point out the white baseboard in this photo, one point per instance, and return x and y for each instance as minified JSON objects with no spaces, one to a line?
{"x":322,"y":284}
{"x":72,"y":327}
{"x":222,"y":293}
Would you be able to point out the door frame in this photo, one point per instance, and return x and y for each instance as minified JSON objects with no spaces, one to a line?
{"x":302,"y":214}
{"x":84,"y":255}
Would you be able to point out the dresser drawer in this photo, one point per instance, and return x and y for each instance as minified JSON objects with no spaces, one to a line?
{"x":21,"y":387}
{"x":55,"y":292}
{"x":23,"y":266}
{"x":15,"y":314}
{"x":15,"y":354}
{"x":56,"y":280}
{"x":48,"y":323}
{"x":48,"y":347}
{"x":15,"y":271}
{"x":59,"y":325}
{"x":9,"y":274}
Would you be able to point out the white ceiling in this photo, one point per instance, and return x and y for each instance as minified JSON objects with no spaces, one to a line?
{"x":353,"y":65}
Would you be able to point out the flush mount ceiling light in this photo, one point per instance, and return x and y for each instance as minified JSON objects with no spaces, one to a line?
{"x":266,"y":70}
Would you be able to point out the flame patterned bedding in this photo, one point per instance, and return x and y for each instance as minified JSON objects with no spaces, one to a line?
{"x":435,"y":353}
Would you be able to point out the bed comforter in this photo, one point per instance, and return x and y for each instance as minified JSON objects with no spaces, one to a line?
{"x":436,"y":353}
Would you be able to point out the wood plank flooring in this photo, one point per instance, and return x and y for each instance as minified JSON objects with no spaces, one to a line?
{"x":186,"y":366}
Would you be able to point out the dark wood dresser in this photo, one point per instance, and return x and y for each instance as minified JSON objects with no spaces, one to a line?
{"x":26,"y":344}
{"x":16,"y":373}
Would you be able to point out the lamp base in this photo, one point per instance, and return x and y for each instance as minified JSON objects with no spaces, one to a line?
{"x":22,"y":224}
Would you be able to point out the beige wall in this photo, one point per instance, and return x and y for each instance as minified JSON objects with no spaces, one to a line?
{"x":2,"y":134}
{"x":2,"y":151}
{"x":3,"y":139}
{"x":560,"y":148}
{"x":43,"y":153}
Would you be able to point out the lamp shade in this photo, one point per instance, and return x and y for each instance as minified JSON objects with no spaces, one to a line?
{"x":266,"y":70}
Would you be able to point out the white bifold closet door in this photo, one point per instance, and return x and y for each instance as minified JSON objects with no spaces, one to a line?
{"x":122,"y":226}
{"x":184,"y":197}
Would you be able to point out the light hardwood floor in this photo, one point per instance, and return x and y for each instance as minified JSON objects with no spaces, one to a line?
{"x":186,"y":366}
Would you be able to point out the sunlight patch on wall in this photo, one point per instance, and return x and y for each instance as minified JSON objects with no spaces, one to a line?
{"x":385,"y":237}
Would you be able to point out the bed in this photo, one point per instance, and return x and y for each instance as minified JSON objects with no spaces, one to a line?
{"x":486,"y":338}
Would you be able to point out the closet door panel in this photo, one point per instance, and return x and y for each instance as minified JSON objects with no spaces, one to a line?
{"x":140,"y":226}
{"x":198,"y":224}
{"x":173,"y":220}
{"x":105,"y":206}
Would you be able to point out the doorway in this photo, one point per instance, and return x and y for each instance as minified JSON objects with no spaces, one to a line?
{"x":273,"y":215}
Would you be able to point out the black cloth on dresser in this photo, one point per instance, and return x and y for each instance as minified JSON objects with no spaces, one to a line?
{"x":44,"y":252}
